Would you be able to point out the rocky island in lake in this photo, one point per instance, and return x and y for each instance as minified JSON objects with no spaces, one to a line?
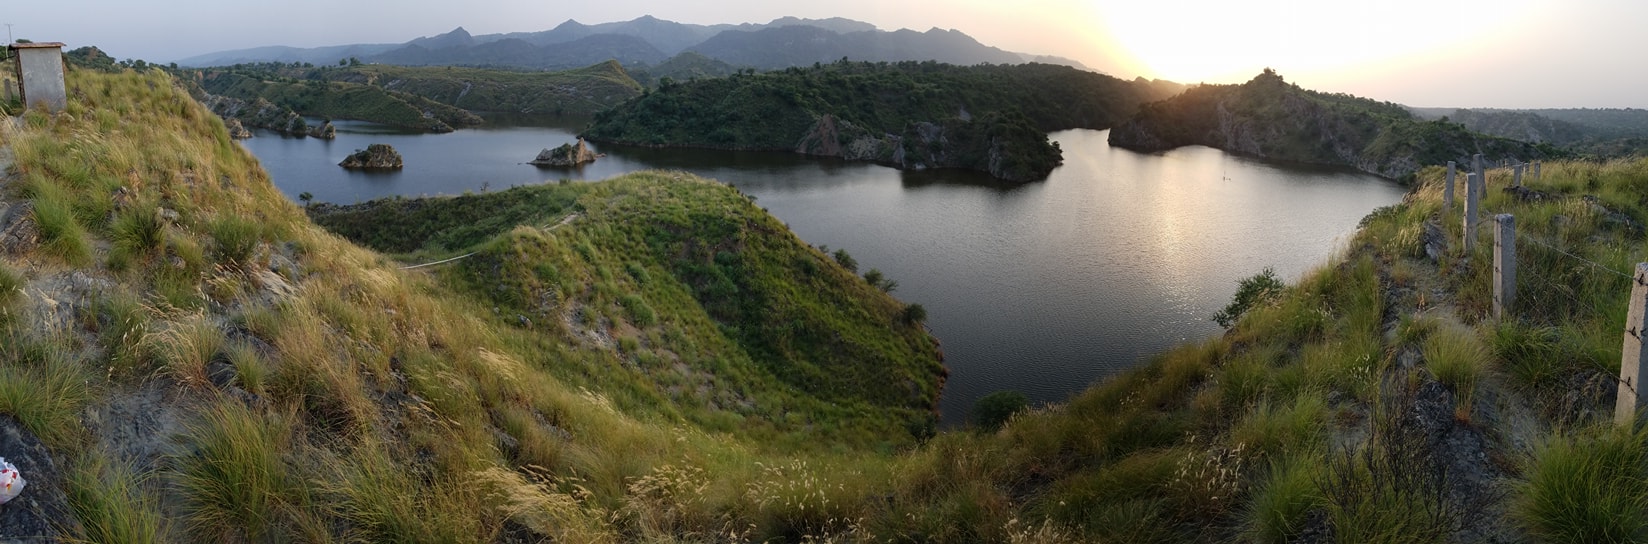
{"x":566,"y":155}
{"x":374,"y":157}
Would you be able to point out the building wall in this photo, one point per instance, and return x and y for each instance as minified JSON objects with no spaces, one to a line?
{"x":42,"y":70}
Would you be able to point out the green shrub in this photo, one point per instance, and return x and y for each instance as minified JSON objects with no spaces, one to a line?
{"x":1251,"y":291}
{"x":992,"y":411}
{"x":639,"y":312}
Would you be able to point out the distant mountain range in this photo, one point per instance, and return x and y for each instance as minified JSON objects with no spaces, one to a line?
{"x":648,"y":41}
{"x":1603,"y":133}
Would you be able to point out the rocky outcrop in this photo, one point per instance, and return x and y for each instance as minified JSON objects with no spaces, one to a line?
{"x":1006,"y":147}
{"x":374,"y":157}
{"x":1269,"y":118}
{"x":566,"y":155}
{"x":257,"y":113}
{"x":325,"y":131}
{"x":236,"y":129}
{"x":41,"y":512}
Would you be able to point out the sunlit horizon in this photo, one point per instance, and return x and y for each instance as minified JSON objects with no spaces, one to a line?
{"x":1454,"y":53}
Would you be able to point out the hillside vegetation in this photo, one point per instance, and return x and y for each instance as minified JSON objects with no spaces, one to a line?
{"x":339,"y":100}
{"x":1270,"y":118}
{"x":437,"y":99}
{"x":909,"y":115}
{"x":1598,"y":133}
{"x":581,"y":91}
{"x":205,"y":364}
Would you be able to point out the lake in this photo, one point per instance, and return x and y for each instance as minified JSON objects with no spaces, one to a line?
{"x":1042,"y":287}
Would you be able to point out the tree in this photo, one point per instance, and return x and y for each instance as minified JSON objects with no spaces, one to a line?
{"x":846,"y":260}
{"x":306,"y":197}
{"x":914,"y":313}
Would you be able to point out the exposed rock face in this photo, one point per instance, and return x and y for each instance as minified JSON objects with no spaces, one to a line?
{"x":566,"y":155}
{"x":325,"y":131}
{"x":374,"y":157}
{"x":258,"y":113}
{"x":1007,"y":148}
{"x":18,"y":232}
{"x":236,"y":130}
{"x":41,"y":512}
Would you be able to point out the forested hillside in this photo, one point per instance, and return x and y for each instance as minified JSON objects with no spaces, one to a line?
{"x":910,"y":115}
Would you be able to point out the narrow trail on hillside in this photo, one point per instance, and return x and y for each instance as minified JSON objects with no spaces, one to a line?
{"x":1474,"y":437}
{"x":563,"y":222}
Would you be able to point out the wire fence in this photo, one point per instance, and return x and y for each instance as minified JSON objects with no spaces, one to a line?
{"x":1555,"y":282}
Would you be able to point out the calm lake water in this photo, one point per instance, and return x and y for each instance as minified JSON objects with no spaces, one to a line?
{"x":1043,"y":287}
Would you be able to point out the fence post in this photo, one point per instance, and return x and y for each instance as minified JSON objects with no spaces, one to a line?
{"x":1633,"y":364}
{"x":1517,"y":170}
{"x":1479,"y":170}
{"x":1447,"y":190}
{"x":1504,"y":269}
{"x":1471,"y":203}
{"x":1536,"y":170}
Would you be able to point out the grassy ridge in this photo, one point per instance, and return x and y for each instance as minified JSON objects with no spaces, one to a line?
{"x":718,"y":305}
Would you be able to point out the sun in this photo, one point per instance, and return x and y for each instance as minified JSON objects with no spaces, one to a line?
{"x":1221,"y":42}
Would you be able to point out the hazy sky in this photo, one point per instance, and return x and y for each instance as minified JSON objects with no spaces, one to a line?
{"x":1483,"y":53}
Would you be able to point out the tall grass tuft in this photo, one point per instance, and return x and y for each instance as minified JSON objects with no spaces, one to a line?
{"x":1592,"y":487}
{"x":235,"y":479}
{"x":236,"y":239}
{"x":1459,"y":359}
{"x":136,"y":234}
{"x":111,"y":504}
{"x":1283,"y":499}
{"x":42,"y":386}
{"x":60,"y":234}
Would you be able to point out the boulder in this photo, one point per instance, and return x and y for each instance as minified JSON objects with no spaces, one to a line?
{"x":566,"y":155}
{"x":374,"y":157}
{"x":325,"y":131}
{"x":41,"y":512}
{"x":18,"y":232}
{"x":236,"y":130}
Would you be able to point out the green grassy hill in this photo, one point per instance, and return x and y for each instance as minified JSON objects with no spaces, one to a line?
{"x":339,"y":100}
{"x":582,"y":91}
{"x":204,"y":363}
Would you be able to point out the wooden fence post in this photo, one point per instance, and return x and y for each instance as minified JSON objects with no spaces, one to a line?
{"x":1471,"y":203}
{"x":1447,"y":190}
{"x":1504,"y":268}
{"x":1517,"y":171}
{"x":1536,"y":170}
{"x":1633,"y":364}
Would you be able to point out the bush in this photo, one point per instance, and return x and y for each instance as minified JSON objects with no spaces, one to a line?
{"x":993,"y":410}
{"x":1251,"y":292}
{"x":846,"y":260}
{"x":914,"y":313}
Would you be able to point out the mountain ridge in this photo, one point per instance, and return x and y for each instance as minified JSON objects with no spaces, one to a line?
{"x":668,"y":37}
